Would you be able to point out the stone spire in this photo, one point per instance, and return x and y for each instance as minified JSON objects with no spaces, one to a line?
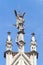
{"x":33,"y":52}
{"x":9,"y":42}
{"x":33,"y":36}
{"x":8,"y":52}
{"x":33,"y":43}
{"x":20,"y":26}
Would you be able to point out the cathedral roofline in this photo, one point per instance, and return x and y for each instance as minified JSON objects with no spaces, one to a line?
{"x":14,"y":53}
{"x":35,"y":53}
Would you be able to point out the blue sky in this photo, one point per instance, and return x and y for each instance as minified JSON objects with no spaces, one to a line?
{"x":33,"y":23}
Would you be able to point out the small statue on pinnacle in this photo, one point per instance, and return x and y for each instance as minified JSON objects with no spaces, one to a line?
{"x":19,"y":18}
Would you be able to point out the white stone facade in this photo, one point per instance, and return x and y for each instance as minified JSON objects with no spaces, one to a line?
{"x":21,"y":57}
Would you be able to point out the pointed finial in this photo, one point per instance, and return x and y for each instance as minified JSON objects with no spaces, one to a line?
{"x":9,"y":33}
{"x":33,"y":34}
{"x":33,"y":38}
{"x":9,"y":38}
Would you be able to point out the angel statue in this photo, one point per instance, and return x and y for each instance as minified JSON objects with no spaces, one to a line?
{"x":20,"y":19}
